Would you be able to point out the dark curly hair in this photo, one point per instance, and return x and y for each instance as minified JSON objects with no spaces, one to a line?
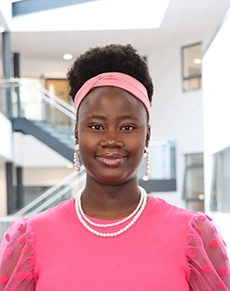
{"x":110,"y":58}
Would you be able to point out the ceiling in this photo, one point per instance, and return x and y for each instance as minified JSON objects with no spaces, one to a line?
{"x":193,"y":18}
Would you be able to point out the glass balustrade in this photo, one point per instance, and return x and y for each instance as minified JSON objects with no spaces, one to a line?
{"x":63,"y":190}
{"x":31,"y":101}
{"x":4,"y":92}
{"x":162,"y":160}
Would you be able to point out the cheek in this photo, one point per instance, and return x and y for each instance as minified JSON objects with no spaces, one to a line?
{"x":87,"y":146}
{"x":137,"y":148}
{"x":140,"y":154}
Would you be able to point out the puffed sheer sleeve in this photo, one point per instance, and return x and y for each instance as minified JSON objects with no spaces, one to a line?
{"x":207,"y":256}
{"x":17,"y":258}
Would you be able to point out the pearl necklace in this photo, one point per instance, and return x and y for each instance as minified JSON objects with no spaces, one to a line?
{"x":134,"y":215}
{"x":109,"y":224}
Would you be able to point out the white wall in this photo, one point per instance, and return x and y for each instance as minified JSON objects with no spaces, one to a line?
{"x":49,"y":68}
{"x":44,"y":176}
{"x":6,"y":12}
{"x":174,"y":113}
{"x":36,"y":154}
{"x":5,"y":155}
{"x":216,"y":103}
{"x":2,"y":190}
{"x":5,"y":138}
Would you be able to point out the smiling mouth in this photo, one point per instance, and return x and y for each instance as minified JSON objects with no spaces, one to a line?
{"x":111,"y":160}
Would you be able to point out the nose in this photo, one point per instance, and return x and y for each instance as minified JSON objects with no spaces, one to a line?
{"x":111,"y":140}
{"x":111,"y":143}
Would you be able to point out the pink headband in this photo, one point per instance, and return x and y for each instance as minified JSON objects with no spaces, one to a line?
{"x":115,"y":79}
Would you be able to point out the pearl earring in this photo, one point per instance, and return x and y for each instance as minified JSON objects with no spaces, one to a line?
{"x":77,"y":164}
{"x":147,"y":167}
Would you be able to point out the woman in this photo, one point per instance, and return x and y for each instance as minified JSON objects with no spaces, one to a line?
{"x":112,"y":235}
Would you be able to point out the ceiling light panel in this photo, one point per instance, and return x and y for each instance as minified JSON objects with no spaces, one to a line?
{"x":97,"y":15}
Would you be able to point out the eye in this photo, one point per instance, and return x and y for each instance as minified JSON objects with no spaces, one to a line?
{"x":96,"y":126}
{"x":127,"y":127}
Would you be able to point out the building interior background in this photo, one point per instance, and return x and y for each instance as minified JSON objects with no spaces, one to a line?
{"x":188,"y":57}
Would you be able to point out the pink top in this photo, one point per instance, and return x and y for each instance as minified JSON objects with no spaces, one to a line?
{"x":167,"y":249}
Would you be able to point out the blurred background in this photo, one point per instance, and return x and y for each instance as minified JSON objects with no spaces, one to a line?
{"x":186,"y":46}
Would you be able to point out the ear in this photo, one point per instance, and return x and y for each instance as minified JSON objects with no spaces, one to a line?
{"x":148,"y":136}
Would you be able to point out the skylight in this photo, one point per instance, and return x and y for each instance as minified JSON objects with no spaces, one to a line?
{"x":96,"y":15}
{"x":121,"y":14}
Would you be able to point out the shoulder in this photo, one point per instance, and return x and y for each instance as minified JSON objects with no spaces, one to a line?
{"x":53,"y":216}
{"x":20,"y":229}
{"x":202,"y":228}
{"x":170,"y":212}
{"x":19,"y":236}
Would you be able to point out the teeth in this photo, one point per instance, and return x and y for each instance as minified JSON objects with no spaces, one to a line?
{"x":109,"y":154}
{"x":115,"y":156}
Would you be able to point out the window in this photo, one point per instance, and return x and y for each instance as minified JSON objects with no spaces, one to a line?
{"x":162,"y":166}
{"x":193,"y":193}
{"x":192,"y":67}
{"x":220,"y":198}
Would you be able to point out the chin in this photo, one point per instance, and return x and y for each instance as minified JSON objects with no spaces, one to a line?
{"x":114,"y":180}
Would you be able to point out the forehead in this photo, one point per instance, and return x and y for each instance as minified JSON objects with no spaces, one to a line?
{"x":109,"y":100}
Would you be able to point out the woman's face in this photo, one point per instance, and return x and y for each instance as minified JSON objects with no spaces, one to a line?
{"x":112,"y":131}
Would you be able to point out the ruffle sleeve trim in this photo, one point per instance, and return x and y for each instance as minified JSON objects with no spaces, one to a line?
{"x":207,"y":257}
{"x":17,"y":257}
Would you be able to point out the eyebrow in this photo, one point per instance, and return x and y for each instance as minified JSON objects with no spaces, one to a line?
{"x":122,"y":117}
{"x":100,"y":117}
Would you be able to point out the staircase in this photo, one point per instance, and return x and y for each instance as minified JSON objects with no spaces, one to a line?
{"x":50,"y":135}
{"x":39,"y":113}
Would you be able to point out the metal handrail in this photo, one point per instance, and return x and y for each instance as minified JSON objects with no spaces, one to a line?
{"x":57,"y":196}
{"x":58,"y":100}
{"x":53,"y":99}
{"x":47,"y":194}
{"x":56,"y":105}
{"x":6,"y":220}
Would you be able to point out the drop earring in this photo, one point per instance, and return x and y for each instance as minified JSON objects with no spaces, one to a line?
{"x":76,"y":161}
{"x":147,"y":167}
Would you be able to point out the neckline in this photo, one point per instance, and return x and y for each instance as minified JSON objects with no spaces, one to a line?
{"x":149,"y":205}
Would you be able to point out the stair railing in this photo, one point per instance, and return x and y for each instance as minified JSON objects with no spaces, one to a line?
{"x":57,"y":105}
{"x":34,"y":102}
{"x":59,"y":190}
{"x":58,"y":100}
{"x":77,"y":176}
{"x":29,"y":100}
{"x":46,"y":204}
{"x":73,"y":182}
